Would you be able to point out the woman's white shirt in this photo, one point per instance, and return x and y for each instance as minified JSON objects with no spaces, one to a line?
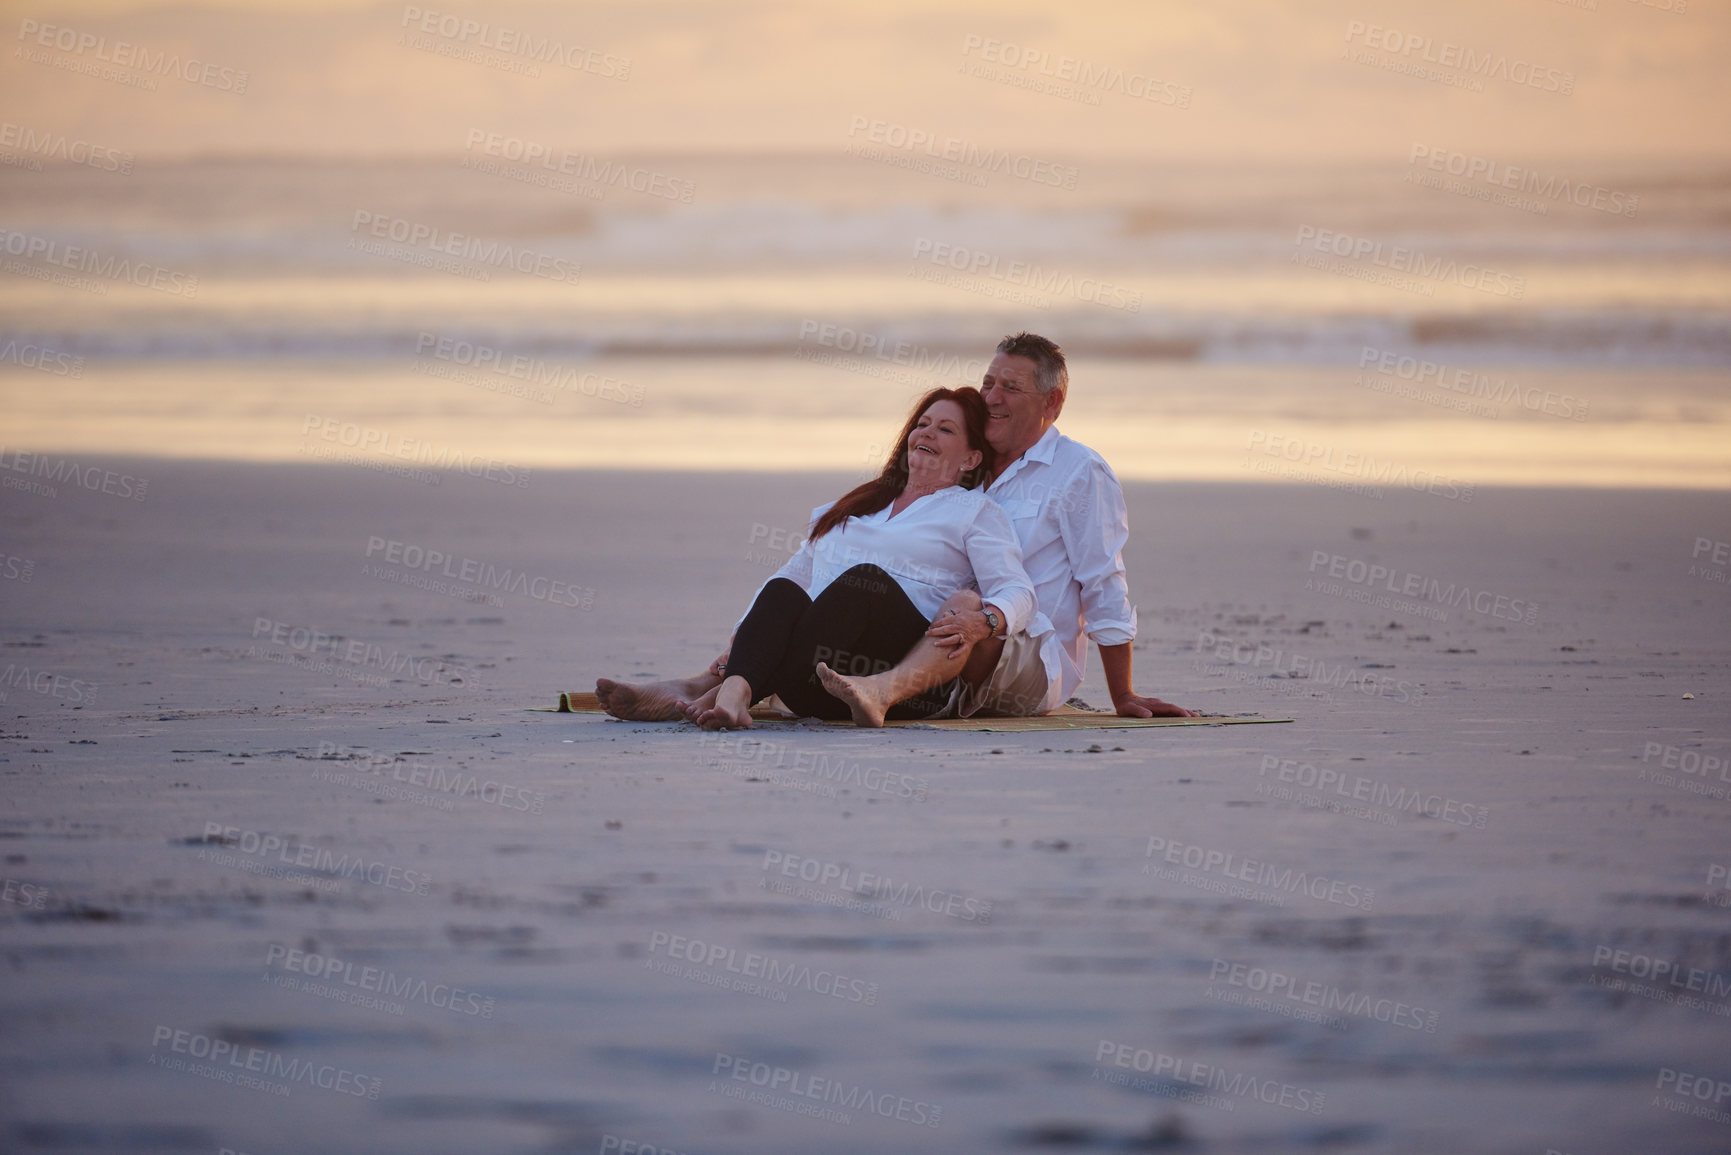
{"x":943,"y":542}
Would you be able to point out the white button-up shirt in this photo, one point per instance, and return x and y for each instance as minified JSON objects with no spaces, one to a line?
{"x":1068,"y":511}
{"x":946,"y":541}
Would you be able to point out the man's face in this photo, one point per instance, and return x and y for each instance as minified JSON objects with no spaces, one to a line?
{"x":1017,"y":413}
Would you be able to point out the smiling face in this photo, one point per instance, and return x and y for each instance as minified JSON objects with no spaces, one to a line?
{"x":938,"y":451}
{"x":1017,"y":413}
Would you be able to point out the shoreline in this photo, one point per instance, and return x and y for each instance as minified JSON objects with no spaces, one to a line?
{"x":229,"y":744}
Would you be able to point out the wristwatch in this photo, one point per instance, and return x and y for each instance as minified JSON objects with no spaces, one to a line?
{"x":992,"y":622}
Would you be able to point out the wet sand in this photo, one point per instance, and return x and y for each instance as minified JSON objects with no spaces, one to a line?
{"x":277,"y":819}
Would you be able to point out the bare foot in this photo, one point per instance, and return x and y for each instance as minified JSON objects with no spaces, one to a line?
{"x":695,"y":708}
{"x":857,"y":693}
{"x":732,"y":708}
{"x":650,"y":701}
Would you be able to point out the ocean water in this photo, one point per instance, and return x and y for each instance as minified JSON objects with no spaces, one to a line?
{"x":1355,"y":327}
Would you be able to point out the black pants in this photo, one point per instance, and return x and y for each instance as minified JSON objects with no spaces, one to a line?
{"x":862,"y":623}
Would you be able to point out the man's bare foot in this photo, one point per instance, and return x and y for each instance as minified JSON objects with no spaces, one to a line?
{"x":732,"y":708}
{"x":858,"y":693}
{"x":650,"y":701}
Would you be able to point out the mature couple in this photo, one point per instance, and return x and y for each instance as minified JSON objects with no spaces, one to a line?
{"x":965,"y":576}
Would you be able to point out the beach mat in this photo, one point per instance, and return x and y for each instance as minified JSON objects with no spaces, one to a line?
{"x":1063,"y":718}
{"x":578,"y":702}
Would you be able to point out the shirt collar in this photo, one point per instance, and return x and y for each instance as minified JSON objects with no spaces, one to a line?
{"x":1044,"y":451}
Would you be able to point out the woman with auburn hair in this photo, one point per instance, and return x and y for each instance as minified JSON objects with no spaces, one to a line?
{"x":917,"y":552}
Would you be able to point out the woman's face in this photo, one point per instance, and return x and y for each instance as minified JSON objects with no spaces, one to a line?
{"x":938,"y":447}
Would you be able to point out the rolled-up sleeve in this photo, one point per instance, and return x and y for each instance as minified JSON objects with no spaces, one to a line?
{"x":996,"y":556}
{"x":1095,"y":524}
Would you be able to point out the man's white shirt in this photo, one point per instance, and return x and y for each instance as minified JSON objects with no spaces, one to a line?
{"x":1068,"y":512}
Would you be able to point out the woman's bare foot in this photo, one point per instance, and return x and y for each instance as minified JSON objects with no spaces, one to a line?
{"x":732,"y":708}
{"x":651,"y":701}
{"x":860,"y":694}
{"x":695,"y":708}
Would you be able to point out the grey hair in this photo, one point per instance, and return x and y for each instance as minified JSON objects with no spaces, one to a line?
{"x":1050,"y":371}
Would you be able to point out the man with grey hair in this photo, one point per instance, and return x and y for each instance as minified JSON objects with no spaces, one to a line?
{"x":1069,"y":515}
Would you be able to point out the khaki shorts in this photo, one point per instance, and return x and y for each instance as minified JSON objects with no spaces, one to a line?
{"x":1018,"y":687}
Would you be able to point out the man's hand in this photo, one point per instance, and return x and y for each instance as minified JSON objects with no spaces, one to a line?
{"x":1134,"y":705}
{"x":955,"y":630}
{"x":718,"y":668}
{"x":1115,"y":660}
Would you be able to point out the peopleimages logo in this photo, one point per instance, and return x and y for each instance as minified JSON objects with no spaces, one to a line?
{"x":440,"y":243}
{"x":1671,"y":972}
{"x":799,"y":1092}
{"x":91,"y":477}
{"x":1690,"y":762}
{"x":420,"y":561}
{"x":979,"y":263}
{"x":1283,"y":994}
{"x":388,"y":443}
{"x":39,"y":251}
{"x":155,"y":62}
{"x":1668,"y":981}
{"x":758,"y":754}
{"x":241,"y":1062}
{"x":540,"y":378}
{"x":967,"y":154}
{"x":36,"y":897}
{"x":579,"y":166}
{"x":1223,"y":649}
{"x":664,"y":946}
{"x":888,"y":348}
{"x":1257,"y":872}
{"x":1213,"y":1078}
{"x":1458,"y":595}
{"x":43,"y":144}
{"x":461,"y":31}
{"x":1472,"y":63}
{"x":1720,"y":874}
{"x":1366,"y":469}
{"x":1400,"y":259}
{"x":876,"y":887}
{"x":371,"y":980}
{"x":307,"y":645}
{"x":1090,"y":78}
{"x":42,"y":359}
{"x":74,"y":690}
{"x":1357,"y":788}
{"x":1497,"y":176}
{"x":306,"y":856}
{"x":1472,"y":384}
{"x":436,"y":780}
{"x":883,"y":356}
{"x":1685,"y":1086}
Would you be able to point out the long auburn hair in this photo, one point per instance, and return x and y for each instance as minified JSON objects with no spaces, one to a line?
{"x":888,"y":485}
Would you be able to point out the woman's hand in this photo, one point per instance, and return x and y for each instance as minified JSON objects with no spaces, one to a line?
{"x":955,"y":630}
{"x":718,"y":668}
